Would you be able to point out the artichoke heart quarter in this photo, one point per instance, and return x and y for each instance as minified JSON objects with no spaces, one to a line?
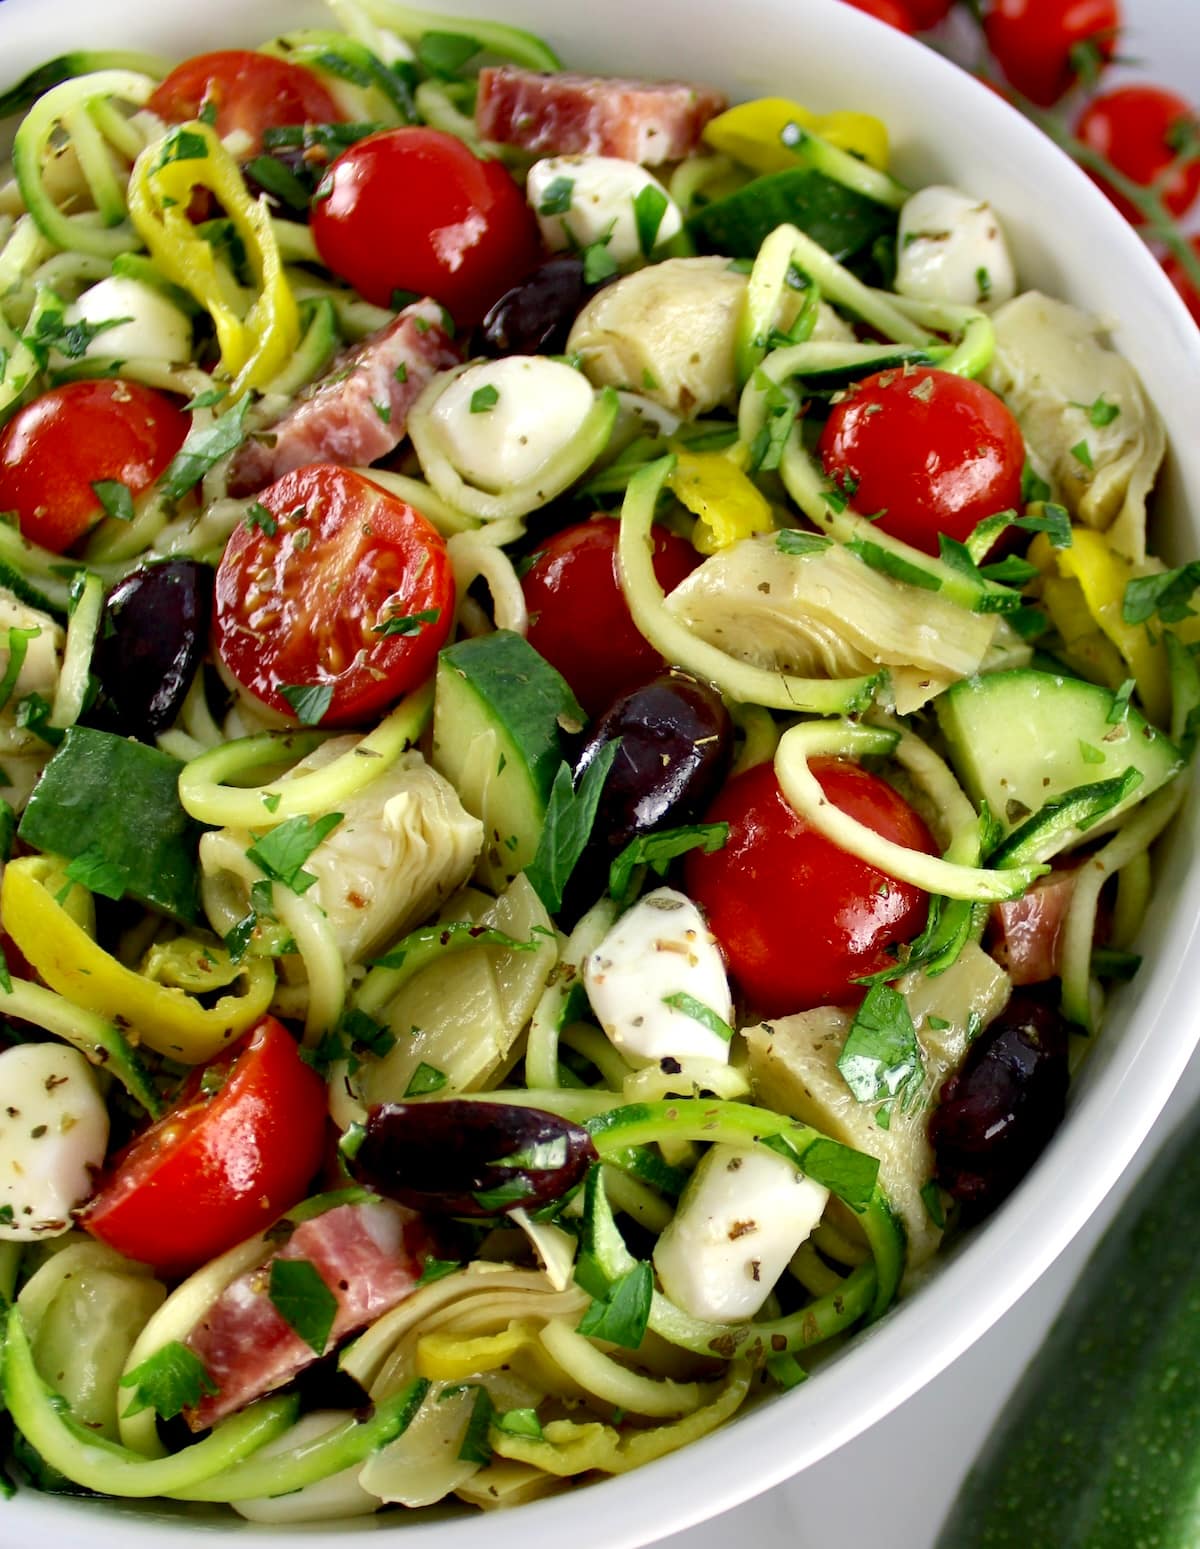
{"x":827,"y":613}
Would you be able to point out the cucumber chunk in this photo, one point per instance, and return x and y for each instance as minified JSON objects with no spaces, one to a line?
{"x":118,"y":800}
{"x":497,"y":714}
{"x":1021,"y":740}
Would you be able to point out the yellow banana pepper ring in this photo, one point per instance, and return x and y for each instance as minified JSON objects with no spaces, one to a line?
{"x":165,"y":1019}
{"x":752,"y":133}
{"x":256,"y":346}
{"x":728,"y":505}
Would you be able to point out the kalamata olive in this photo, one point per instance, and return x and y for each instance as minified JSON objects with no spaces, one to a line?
{"x":535,"y":317}
{"x":997,"y":1113}
{"x":153,"y":634}
{"x":471,"y":1159}
{"x":676,"y":743}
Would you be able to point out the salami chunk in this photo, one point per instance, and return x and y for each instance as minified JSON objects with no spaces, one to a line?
{"x":586,"y":115}
{"x":369,"y":1256}
{"x":1027,"y":931}
{"x":358,"y":411}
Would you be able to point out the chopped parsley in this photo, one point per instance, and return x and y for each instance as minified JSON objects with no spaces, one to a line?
{"x":115,"y":497}
{"x":258,"y":516}
{"x":1082,"y":453}
{"x":1168,"y":594}
{"x":303,"y":1300}
{"x":556,"y":198}
{"x":93,"y":870}
{"x":649,"y":206}
{"x":425,"y":1079}
{"x":203,"y":449}
{"x":17,"y":646}
{"x":598,"y":263}
{"x":437,"y":1269}
{"x":621,"y":1314}
{"x":309,"y":701}
{"x":570,"y":815}
{"x":1120,"y":704}
{"x":171,"y":1380}
{"x":699,"y":1012}
{"x":281,"y":853}
{"x":881,"y":1059}
{"x":444,"y":54}
{"x":659,"y":850}
{"x":791,"y":541}
{"x":408,"y":623}
{"x":894,"y":565}
{"x":485,"y":398}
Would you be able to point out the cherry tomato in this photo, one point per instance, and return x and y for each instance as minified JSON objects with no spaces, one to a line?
{"x":240,"y":1145}
{"x":1141,"y":130}
{"x":890,"y":11}
{"x":1045,"y":46}
{"x":798,"y":919}
{"x":929,"y":451}
{"x":55,"y":449}
{"x":414,"y":210}
{"x":342,"y":589}
{"x":251,"y":92}
{"x":578,"y":617}
{"x":927,"y":13}
{"x":1185,"y":286}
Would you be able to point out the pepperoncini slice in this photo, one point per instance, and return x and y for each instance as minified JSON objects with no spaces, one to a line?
{"x":258,"y":341}
{"x":161,"y":1016}
{"x":728,"y":506}
{"x":753,"y":133}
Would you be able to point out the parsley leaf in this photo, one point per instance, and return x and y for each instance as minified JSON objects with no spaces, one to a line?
{"x":847,"y":1173}
{"x":475,"y":1447}
{"x":258,"y":516}
{"x":437,"y":1269}
{"x":445,"y":53}
{"x":699,"y":1012}
{"x":931,"y":1198}
{"x":598,"y":263}
{"x":1082,"y":453}
{"x":1101,"y":413}
{"x":659,"y":850}
{"x":281,"y":853}
{"x":425,"y":1079}
{"x":519,"y":1422}
{"x":115,"y":497}
{"x":171,"y":1380}
{"x":621,"y":1315}
{"x":485,"y":398}
{"x":309,"y":701}
{"x":887,"y":563}
{"x":1169,"y":595}
{"x":93,"y":870}
{"x":800,"y":543}
{"x":881,"y":1058}
{"x":203,"y":449}
{"x":556,"y":196}
{"x":303,"y":1300}
{"x":649,"y":206}
{"x":181,"y":145}
{"x":568,"y":826}
{"x":409,"y":624}
{"x":17,"y":645}
{"x":1120,"y":704}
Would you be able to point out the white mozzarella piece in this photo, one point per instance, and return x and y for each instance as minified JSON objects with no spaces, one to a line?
{"x":657,"y":951}
{"x":952,"y":248}
{"x":602,"y":191}
{"x":155,"y":328}
{"x":339,"y":1496}
{"x":742,"y":1217}
{"x":53,"y":1135}
{"x":501,"y":420}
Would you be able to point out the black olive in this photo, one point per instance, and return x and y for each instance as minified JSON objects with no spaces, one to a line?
{"x":535,"y":316}
{"x":462,"y":1158}
{"x":996,"y":1114}
{"x":676,"y":745}
{"x":152,"y":637}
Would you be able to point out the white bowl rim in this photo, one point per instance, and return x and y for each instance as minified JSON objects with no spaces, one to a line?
{"x":1117,"y":1103}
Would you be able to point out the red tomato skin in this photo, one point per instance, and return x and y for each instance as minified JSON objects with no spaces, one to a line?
{"x":1187,"y":291}
{"x":294,"y":610}
{"x":54,"y":449}
{"x":1131,"y":128}
{"x":578,"y":617}
{"x":927,"y":13}
{"x":931,"y":460}
{"x":889,"y":11}
{"x":252,"y":92}
{"x":215,"y":1170}
{"x":798,"y":919}
{"x":413,"y":209}
{"x":1032,"y":41}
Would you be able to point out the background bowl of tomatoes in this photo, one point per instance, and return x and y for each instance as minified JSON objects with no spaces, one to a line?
{"x":1070,"y":240}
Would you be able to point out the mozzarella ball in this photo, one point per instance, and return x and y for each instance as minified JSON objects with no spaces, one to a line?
{"x":579,"y":200}
{"x":951,"y":247}
{"x":53,"y":1136}
{"x":146,"y":325}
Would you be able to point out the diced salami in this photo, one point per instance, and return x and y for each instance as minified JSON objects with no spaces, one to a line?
{"x":588,"y":115}
{"x":358,"y":412}
{"x":370,"y":1257}
{"x":1028,"y":930}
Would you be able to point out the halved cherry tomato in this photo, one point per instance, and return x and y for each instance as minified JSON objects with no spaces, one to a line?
{"x":1045,"y":46}
{"x":414,"y":210}
{"x":240,"y":1145}
{"x":798,"y":919}
{"x":1142,"y":130}
{"x":57,"y":448}
{"x":341,"y":589}
{"x":578,"y":617}
{"x":924,"y":452}
{"x":1182,"y":283}
{"x":890,"y":11}
{"x":248,"y":91}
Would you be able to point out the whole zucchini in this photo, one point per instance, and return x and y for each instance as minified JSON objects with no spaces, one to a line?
{"x":1099,"y":1446}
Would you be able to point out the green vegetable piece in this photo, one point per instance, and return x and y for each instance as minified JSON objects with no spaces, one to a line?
{"x":171,"y":1380}
{"x":282,"y":851}
{"x":881,"y":1058}
{"x":699,"y":1012}
{"x":845,"y":223}
{"x":116,"y":802}
{"x":658,"y":850}
{"x":621,"y":1315}
{"x":303,"y":1300}
{"x":203,"y":449}
{"x":569,"y":819}
{"x":309,"y":701}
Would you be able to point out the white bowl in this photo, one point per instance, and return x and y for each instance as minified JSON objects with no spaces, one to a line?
{"x":1068,"y":241}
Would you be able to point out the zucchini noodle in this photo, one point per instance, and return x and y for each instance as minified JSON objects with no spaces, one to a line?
{"x":473,"y":560}
{"x":432,"y":507}
{"x":760,"y":736}
{"x":616,"y":1384}
{"x":541,"y":1052}
{"x":71,"y":693}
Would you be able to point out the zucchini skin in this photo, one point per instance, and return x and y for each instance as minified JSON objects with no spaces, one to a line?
{"x":1099,"y":1446}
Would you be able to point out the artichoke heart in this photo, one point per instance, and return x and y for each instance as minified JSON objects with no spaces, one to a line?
{"x":1088,"y":424}
{"x":826,"y":612}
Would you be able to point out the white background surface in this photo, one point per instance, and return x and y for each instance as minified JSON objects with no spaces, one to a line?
{"x":894,"y":1484}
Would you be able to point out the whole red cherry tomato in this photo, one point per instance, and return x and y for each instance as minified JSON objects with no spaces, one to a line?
{"x":890,"y":11}
{"x":1045,"y":46}
{"x":414,"y":210}
{"x":1182,"y":283}
{"x":342,"y":590}
{"x":578,"y":617}
{"x":55,"y":450}
{"x":240,"y":1145}
{"x":1141,"y":130}
{"x":247,"y":91}
{"x":798,"y":919}
{"x":929,"y":451}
